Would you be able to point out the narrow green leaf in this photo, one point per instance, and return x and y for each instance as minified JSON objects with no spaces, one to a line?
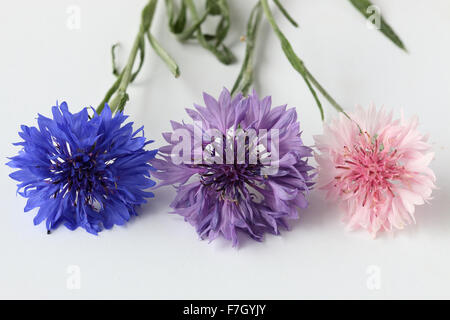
{"x":224,"y":23}
{"x":141,"y":59}
{"x":363,"y":6}
{"x":185,"y":35}
{"x":148,"y":13}
{"x":162,"y":53}
{"x":170,"y":13}
{"x":180,"y":22}
{"x":213,"y":7}
{"x":245,"y":77}
{"x":221,"y":52}
{"x":113,"y":58}
{"x":177,"y":23}
{"x":295,"y":61}
{"x":285,"y":13}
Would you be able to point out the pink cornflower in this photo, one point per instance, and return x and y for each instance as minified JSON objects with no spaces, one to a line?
{"x":375,"y":167}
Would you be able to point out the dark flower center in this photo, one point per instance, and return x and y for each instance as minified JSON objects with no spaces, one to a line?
{"x":230,"y":180}
{"x":84,"y":172}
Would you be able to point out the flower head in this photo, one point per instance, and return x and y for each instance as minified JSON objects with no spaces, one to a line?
{"x":376,"y":167}
{"x":81,"y":171}
{"x":245,"y":167}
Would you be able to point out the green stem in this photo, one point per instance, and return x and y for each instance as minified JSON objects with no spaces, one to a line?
{"x":298,"y":64}
{"x":122,"y":90}
{"x":118,"y":101}
{"x":245,"y":77}
{"x":109,"y":94}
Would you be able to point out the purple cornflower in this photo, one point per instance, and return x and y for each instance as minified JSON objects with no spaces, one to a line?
{"x":81,"y":171}
{"x":221,"y":190}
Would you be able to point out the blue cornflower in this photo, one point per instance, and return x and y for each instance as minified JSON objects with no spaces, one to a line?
{"x":83,"y":171}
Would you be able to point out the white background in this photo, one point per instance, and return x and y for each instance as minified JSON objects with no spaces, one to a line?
{"x":158,"y":255}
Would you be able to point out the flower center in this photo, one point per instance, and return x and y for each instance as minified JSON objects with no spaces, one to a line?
{"x":368,"y":169}
{"x":230,"y":180}
{"x":84,"y":172}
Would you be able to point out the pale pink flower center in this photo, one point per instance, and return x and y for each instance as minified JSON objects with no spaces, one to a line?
{"x":369,"y":171}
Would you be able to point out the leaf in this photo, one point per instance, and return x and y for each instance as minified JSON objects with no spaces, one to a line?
{"x":223,"y":54}
{"x":113,"y":57}
{"x":285,"y":13}
{"x":363,"y":6}
{"x":141,"y":59}
{"x":224,"y":23}
{"x":147,"y":14}
{"x":187,"y":34}
{"x":170,"y":13}
{"x":295,"y":61}
{"x":180,"y":22}
{"x":213,"y":7}
{"x":162,"y":53}
{"x":219,"y":50}
{"x":245,"y":77}
{"x":177,"y":23}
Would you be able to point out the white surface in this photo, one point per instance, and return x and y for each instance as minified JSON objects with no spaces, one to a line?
{"x":157,"y":255}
